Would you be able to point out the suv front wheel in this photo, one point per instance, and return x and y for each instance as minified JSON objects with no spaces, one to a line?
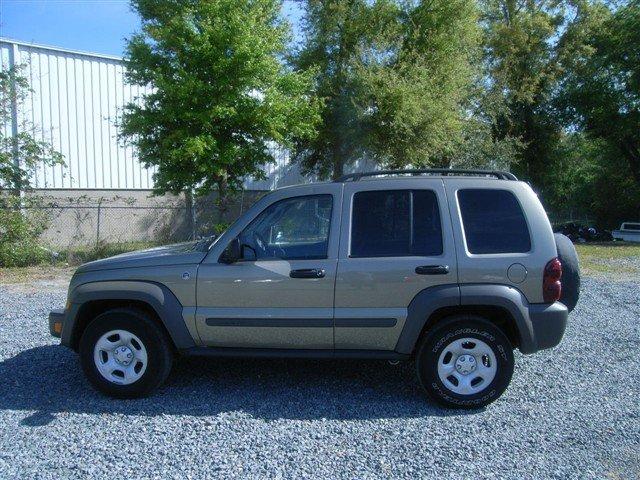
{"x":125,"y":354}
{"x":465,"y":362}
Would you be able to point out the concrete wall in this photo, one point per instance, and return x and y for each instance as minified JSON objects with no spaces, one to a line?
{"x":84,"y":218}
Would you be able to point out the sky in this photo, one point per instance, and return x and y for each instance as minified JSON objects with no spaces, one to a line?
{"x":98,"y":26}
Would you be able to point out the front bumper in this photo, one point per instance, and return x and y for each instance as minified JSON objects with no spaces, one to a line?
{"x":56,"y":322}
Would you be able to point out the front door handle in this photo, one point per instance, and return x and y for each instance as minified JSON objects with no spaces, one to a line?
{"x":307,"y":273}
{"x":432,"y":269}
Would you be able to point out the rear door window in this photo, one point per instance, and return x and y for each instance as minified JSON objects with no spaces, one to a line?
{"x":493,"y":222}
{"x":395,"y":223}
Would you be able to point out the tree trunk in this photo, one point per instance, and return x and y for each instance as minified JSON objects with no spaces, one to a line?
{"x":190,"y":208}
{"x":338,"y":162}
{"x":223,"y":199}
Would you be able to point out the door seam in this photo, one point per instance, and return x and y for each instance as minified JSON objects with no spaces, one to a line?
{"x":453,"y":231}
{"x":335,"y":278}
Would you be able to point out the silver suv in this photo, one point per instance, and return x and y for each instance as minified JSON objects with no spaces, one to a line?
{"x":453,"y":269}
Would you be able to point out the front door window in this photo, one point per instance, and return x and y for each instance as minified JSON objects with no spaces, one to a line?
{"x":295,"y":228}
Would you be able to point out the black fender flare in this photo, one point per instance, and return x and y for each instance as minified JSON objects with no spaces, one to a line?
{"x":423,"y":305}
{"x":431,"y":299}
{"x":157,"y":296}
{"x":508,"y":298}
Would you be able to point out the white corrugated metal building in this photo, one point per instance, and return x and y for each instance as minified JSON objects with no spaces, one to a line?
{"x":74,"y":105}
{"x":102,"y":193}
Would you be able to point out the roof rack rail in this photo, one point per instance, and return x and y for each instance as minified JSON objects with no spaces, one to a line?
{"x":354,"y":177}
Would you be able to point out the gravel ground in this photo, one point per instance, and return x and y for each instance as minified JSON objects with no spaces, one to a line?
{"x":572,"y":412}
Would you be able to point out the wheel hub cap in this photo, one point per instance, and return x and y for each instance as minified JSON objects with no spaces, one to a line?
{"x":123,"y":355}
{"x":120,"y":357}
{"x":465,"y":364}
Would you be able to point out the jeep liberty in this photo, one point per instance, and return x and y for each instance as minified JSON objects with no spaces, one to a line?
{"x":452,"y":269}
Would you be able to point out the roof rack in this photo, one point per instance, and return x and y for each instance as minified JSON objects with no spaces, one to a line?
{"x":354,"y":177}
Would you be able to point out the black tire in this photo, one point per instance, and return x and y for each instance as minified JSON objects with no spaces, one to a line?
{"x":570,"y":271}
{"x":154,"y":339}
{"x":442,"y":335}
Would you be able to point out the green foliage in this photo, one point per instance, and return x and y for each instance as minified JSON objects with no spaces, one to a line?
{"x":592,"y":180}
{"x":21,"y":154}
{"x":601,"y":91}
{"x":19,"y":233}
{"x":521,"y":61}
{"x":417,"y":100}
{"x":220,"y":228}
{"x":480,"y":146}
{"x":80,"y":255}
{"x":221,"y":93}
{"x":394,"y":78}
{"x":569,"y":75}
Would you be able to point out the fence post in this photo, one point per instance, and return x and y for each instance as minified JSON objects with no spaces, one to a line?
{"x":242,"y":201}
{"x":194,"y":218}
{"x":98,"y":222}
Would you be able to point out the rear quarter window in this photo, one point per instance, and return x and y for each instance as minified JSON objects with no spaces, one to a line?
{"x":493,"y":222}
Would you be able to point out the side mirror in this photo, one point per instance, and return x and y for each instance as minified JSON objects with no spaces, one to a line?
{"x":232,"y":253}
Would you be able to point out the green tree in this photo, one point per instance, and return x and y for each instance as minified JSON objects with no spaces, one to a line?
{"x":394,"y":78}
{"x":601,"y":91}
{"x":20,"y":153}
{"x":221,"y":94}
{"x":481,"y":144}
{"x":521,"y":59}
{"x":592,"y":182}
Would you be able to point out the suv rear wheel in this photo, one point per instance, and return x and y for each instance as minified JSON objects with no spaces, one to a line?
{"x":125,"y":354}
{"x":465,"y":362}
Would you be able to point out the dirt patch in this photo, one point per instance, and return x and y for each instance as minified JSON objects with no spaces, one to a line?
{"x":36,"y":279}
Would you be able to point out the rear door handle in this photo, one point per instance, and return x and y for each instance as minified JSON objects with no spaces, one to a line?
{"x":432,"y":269}
{"x":307,"y":273}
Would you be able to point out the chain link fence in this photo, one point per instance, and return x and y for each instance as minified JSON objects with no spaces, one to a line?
{"x":81,"y":221}
{"x":87,"y":220}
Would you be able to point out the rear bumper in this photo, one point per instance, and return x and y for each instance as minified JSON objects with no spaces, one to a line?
{"x":539,"y":325}
{"x":548,"y":323}
{"x":56,"y":322}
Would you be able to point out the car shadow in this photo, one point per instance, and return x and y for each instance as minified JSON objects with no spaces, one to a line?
{"x":48,"y":380}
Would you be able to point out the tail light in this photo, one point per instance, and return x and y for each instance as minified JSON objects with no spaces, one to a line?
{"x":551,"y":285}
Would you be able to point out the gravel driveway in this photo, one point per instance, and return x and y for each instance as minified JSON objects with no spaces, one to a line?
{"x":572,"y":412}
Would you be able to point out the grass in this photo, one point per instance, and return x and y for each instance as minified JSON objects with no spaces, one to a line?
{"x":610,"y":259}
{"x":55,"y":274}
{"x":79,"y":255}
{"x":66,"y":263}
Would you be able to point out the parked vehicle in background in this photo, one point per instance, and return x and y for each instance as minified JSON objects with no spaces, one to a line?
{"x":582,"y":233}
{"x":629,"y":232}
{"x":452,"y":269}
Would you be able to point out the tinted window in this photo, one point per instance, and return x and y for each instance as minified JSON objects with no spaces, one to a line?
{"x":493,"y":222}
{"x":394,"y":223}
{"x":294,"y":228}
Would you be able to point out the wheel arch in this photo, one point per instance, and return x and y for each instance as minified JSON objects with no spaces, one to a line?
{"x":90,"y":299}
{"x":503,"y":305}
{"x":498,"y":316}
